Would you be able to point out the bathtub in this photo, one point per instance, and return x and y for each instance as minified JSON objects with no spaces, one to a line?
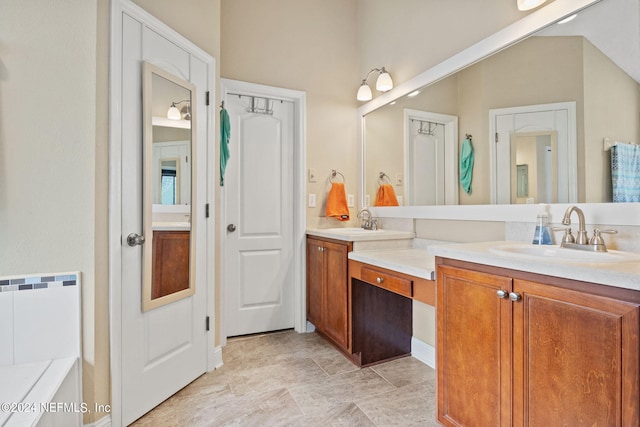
{"x":40,"y":353}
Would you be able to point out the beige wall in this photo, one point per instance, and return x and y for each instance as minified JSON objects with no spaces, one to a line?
{"x":612,"y":110}
{"x":53,"y":139}
{"x":306,"y":45}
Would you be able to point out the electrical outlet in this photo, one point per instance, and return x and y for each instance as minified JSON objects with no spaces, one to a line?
{"x":400,"y":200}
{"x":351,"y":201}
{"x":312,"y":175}
{"x":399,"y":180}
{"x":312,"y":200}
{"x":367,"y":201}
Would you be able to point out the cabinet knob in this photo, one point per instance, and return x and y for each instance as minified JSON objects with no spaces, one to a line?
{"x":320,"y":249}
{"x":514,"y":296}
{"x":502,"y":293}
{"x":379,"y":279}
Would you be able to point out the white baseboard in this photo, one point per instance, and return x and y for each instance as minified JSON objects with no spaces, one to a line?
{"x":423,"y":352}
{"x":102,"y":422}
{"x":215,"y":358}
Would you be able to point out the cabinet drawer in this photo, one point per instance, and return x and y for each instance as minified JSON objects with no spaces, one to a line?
{"x":396,"y":284}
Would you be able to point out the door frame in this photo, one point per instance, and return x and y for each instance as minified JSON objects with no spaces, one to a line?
{"x":299,"y":99}
{"x":118,"y":9}
{"x":572,"y":142}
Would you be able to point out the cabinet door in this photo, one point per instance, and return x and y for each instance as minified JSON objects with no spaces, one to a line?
{"x":575,"y":358}
{"x":315,"y":280}
{"x":336,"y":292}
{"x":474,"y":348}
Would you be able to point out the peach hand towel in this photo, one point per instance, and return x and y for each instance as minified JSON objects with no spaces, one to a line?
{"x":337,"y":203}
{"x":386,"y":196}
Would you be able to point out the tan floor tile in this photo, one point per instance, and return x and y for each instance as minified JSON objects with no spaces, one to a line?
{"x":289,"y":379}
{"x":324,"y":395}
{"x":405,"y":371}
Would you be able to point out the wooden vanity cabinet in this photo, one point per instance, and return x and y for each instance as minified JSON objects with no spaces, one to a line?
{"x":542,"y":355}
{"x":327,"y":288}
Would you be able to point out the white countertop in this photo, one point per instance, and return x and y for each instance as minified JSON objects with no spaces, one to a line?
{"x":359,"y":234}
{"x":415,"y":262}
{"x":171,"y":226}
{"x":618,"y":274}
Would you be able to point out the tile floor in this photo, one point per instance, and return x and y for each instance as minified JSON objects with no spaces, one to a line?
{"x":291,"y":379}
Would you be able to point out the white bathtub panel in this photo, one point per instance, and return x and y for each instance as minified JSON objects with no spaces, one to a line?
{"x":6,"y":328}
{"x":46,"y":324}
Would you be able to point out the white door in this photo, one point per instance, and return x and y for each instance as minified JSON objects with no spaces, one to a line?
{"x":431,"y":155}
{"x":165,"y":348}
{"x":426,"y":167}
{"x":559,"y":118}
{"x":258,"y":194}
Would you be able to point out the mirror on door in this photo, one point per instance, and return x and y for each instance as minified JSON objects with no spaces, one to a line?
{"x":168,"y":181}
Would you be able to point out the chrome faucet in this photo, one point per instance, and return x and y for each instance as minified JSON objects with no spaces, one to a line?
{"x":582,"y":238}
{"x":370,"y":223}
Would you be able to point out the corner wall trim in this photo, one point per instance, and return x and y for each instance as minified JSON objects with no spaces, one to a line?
{"x":102,"y":422}
{"x":423,"y":352}
{"x":215,"y":359}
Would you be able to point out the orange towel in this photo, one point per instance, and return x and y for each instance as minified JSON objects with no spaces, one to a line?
{"x":337,"y":202}
{"x":386,"y":196}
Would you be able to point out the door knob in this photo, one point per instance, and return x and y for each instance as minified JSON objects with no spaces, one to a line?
{"x":231,"y":228}
{"x":134,"y":239}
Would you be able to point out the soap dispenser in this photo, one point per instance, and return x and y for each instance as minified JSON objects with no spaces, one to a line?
{"x":542,"y":235}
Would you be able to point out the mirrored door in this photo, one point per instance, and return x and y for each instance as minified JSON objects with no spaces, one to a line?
{"x":168,"y":182}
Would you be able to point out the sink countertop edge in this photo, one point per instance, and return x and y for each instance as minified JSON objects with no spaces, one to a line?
{"x":618,"y":274}
{"x":361,"y":236}
{"x":407,"y":261}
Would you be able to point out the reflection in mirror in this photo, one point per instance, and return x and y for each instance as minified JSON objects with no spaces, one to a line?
{"x":534,"y":177}
{"x":168,"y":178}
{"x":591,"y":62}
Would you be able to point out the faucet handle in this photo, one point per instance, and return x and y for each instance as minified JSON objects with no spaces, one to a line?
{"x":597,"y":236}
{"x":567,"y":237}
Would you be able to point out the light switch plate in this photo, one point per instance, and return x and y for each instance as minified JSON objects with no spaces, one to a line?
{"x":312,"y":175}
{"x":312,"y":200}
{"x":351,"y":201}
{"x":399,"y":180}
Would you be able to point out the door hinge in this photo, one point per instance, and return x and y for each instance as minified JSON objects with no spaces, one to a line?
{"x":496,"y":136}
{"x":206,"y":98}
{"x":206,"y":210}
{"x":207,"y":323}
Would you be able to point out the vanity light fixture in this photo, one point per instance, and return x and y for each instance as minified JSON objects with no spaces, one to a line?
{"x":184,"y":113}
{"x":383,"y":84}
{"x":529,"y":4}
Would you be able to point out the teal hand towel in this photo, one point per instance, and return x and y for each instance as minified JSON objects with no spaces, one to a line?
{"x":225,"y":134}
{"x":466,"y":165}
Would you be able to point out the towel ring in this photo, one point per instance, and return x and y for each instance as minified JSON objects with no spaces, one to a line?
{"x":381,"y":177}
{"x":334,"y":173}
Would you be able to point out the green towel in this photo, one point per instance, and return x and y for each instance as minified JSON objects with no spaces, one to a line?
{"x":466,"y":165}
{"x":225,"y":134}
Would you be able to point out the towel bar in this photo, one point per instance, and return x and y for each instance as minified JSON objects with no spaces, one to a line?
{"x":334,"y":173}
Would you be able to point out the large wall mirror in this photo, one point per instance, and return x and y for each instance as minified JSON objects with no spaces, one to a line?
{"x":169,"y":178}
{"x":569,"y":86}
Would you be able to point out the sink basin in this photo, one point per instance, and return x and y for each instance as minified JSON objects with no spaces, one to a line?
{"x":556,"y":253}
{"x":350,"y":230}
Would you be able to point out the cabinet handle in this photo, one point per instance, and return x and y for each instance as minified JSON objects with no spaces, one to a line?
{"x":514,"y":296}
{"x":320,"y":248}
{"x":379,"y":280}
{"x":502,"y":293}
